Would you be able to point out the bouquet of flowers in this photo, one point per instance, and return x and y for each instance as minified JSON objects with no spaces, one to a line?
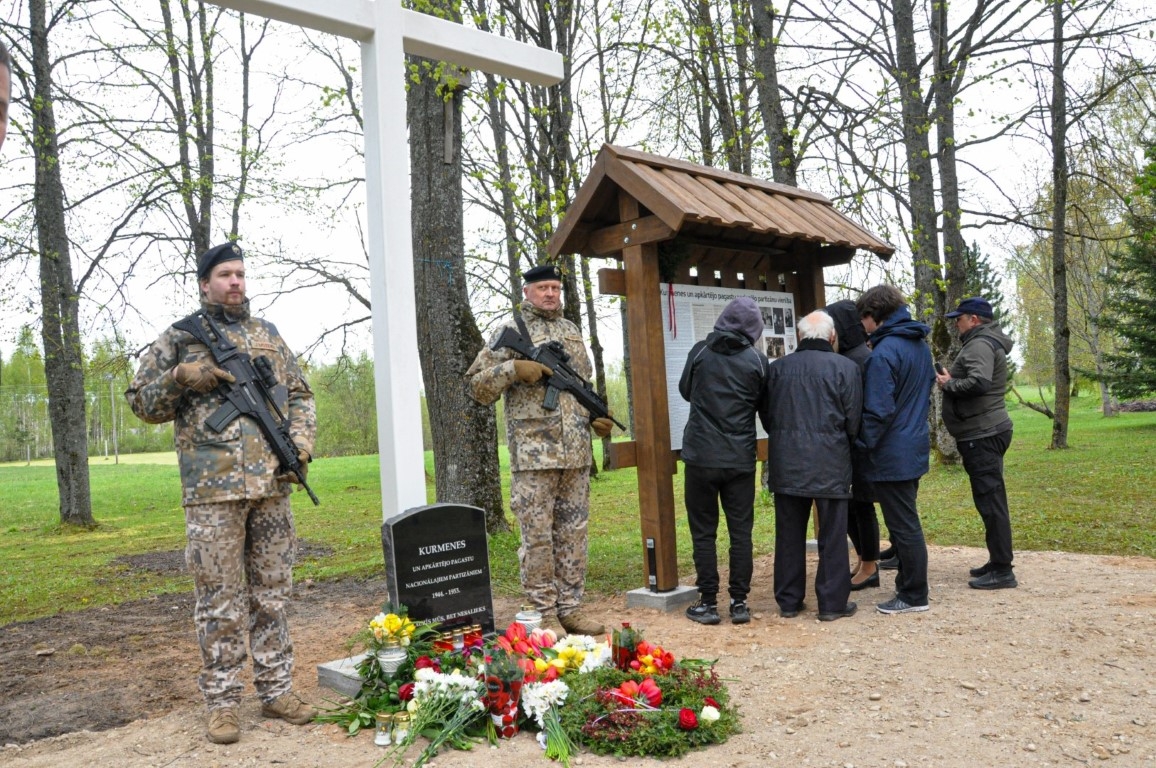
{"x":388,"y":628}
{"x":504,"y":677}
{"x":627,"y":697}
{"x":624,"y":644}
{"x":540,"y":702}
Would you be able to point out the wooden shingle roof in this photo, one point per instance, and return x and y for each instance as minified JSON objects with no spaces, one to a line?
{"x":709,"y":206}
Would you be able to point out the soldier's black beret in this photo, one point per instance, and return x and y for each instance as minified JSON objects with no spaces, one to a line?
{"x":542,"y":272}
{"x":216,"y":255}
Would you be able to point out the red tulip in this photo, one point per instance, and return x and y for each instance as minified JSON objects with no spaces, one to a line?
{"x":650,"y":691}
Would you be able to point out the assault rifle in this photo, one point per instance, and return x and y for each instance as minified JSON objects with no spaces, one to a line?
{"x":250,"y":395}
{"x":564,"y":379}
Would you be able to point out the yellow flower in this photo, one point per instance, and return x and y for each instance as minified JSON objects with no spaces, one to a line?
{"x":392,"y":627}
{"x":648,"y":665}
{"x":572,"y":657}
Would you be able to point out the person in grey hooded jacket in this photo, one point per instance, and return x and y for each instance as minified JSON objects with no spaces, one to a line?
{"x":975,"y":414}
{"x":724,"y":380}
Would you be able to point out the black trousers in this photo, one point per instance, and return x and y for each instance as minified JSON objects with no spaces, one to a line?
{"x":705,"y":487}
{"x":833,"y":578}
{"x":897,"y":500}
{"x":863,"y":528}
{"x":983,"y":462}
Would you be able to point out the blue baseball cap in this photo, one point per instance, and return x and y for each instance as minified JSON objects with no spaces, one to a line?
{"x":973,"y":306}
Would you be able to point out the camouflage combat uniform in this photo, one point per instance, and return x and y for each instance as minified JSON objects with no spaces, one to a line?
{"x":237,"y":516}
{"x":549,"y":463}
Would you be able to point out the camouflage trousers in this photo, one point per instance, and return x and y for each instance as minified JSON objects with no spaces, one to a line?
{"x":232,"y":544}
{"x":552,"y":507}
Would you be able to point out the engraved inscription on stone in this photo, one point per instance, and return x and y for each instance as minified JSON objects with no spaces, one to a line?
{"x":437,"y":565}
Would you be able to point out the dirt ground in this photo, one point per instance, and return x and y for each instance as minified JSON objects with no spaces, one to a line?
{"x":1059,"y":672}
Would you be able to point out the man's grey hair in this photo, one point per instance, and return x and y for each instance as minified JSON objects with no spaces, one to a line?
{"x":817,"y":325}
{"x":5,"y":59}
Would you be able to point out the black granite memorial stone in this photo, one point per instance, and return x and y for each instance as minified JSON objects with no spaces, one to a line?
{"x":437,"y":565}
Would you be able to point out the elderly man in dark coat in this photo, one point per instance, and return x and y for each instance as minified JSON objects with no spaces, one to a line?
{"x":816,"y":397}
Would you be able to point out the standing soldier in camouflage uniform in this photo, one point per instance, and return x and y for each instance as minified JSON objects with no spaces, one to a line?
{"x":549,"y":455}
{"x":237,"y":516}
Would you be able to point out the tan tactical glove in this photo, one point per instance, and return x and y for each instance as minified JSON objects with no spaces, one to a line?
{"x":289,"y":477}
{"x":531,"y":371}
{"x":200,"y":376}
{"x":602,"y":426}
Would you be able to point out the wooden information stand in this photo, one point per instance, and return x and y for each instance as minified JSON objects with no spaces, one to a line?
{"x":672,"y":221}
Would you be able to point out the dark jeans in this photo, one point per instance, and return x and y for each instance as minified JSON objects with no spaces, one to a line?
{"x":832,"y":579}
{"x":983,"y":461}
{"x":863,"y":528}
{"x":897,"y":500}
{"x":705,"y":487}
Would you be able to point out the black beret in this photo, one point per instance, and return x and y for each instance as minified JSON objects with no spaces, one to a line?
{"x":214,"y":256}
{"x":542,"y":272}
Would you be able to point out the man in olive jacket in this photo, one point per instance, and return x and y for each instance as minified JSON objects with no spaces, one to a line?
{"x":816,"y":398}
{"x":975,"y":414}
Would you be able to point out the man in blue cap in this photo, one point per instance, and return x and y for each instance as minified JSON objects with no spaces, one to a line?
{"x":975,"y":414}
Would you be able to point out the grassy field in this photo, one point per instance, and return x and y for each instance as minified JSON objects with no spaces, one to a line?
{"x":1096,"y":497}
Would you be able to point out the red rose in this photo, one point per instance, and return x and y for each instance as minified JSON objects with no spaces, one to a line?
{"x":710,"y":702}
{"x":687,"y":720}
{"x":425,"y":662}
{"x":405,"y":692}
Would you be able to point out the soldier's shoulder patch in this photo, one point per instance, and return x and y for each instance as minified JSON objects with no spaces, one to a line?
{"x":265,"y":346}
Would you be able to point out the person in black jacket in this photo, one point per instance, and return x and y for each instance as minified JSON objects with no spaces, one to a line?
{"x":862,"y":522}
{"x":975,"y":414}
{"x":724,"y":381}
{"x":816,"y":398}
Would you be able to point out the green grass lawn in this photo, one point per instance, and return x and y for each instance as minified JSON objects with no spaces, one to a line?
{"x":1094,"y":497}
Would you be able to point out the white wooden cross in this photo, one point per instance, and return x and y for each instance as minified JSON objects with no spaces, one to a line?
{"x":387,"y":32}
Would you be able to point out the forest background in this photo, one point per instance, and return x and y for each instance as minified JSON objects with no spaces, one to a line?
{"x":996,"y":145}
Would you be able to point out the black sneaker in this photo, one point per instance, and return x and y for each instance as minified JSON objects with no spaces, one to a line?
{"x":889,"y":564}
{"x":703,"y":613}
{"x":1004,"y":579}
{"x":983,"y":570}
{"x":740,"y":614}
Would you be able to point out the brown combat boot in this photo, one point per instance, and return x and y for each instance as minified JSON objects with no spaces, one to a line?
{"x":224,"y":728}
{"x":580,"y":624}
{"x":289,"y":708}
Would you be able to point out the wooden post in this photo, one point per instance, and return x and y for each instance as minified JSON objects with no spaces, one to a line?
{"x":651,"y":420}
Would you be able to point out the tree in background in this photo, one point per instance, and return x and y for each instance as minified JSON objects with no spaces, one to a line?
{"x":465,"y":440}
{"x":59,"y":297}
{"x":986,"y":281}
{"x":1131,"y":373}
